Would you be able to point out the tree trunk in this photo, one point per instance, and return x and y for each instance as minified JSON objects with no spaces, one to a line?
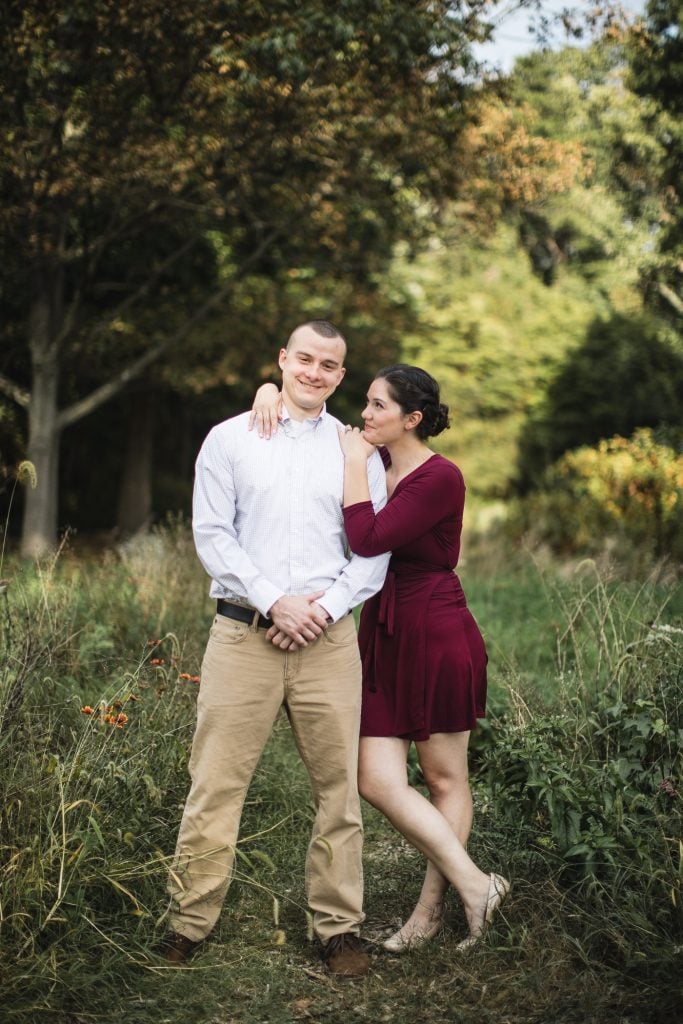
{"x":39,"y":532}
{"x":46,"y":421}
{"x":135,"y":489}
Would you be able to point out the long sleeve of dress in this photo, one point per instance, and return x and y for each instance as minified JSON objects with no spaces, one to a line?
{"x":420,"y":501}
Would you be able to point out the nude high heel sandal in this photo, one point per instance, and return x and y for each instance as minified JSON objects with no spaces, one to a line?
{"x":499,"y":887}
{"x":400,"y":943}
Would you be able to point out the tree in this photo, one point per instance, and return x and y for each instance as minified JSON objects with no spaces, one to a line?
{"x":89,"y":165}
{"x":622,"y":99}
{"x":655,"y":55}
{"x":581,"y":95}
{"x":153,"y":157}
{"x":610,"y":229}
{"x":623,"y":377}
{"x":498,"y":337}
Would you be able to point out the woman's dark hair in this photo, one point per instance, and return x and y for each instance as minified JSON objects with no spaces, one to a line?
{"x":416,"y":390}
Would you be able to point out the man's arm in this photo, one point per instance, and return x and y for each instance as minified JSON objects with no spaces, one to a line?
{"x":298,"y":619}
{"x":213,"y":518}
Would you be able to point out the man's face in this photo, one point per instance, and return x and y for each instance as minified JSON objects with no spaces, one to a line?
{"x":312,"y":367}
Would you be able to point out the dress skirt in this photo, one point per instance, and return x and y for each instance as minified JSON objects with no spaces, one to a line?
{"x":424,"y":658}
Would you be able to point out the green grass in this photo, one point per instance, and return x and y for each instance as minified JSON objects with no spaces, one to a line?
{"x":568,"y":771}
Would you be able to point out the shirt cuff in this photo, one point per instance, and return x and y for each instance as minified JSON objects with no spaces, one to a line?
{"x":263,"y":596}
{"x":336,"y":605}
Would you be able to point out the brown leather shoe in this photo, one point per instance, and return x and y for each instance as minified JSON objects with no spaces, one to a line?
{"x":177,"y":948}
{"x":345,"y":957}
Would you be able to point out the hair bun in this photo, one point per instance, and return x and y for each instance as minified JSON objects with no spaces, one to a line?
{"x":435,"y":419}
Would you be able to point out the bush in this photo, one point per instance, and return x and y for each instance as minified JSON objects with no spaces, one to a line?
{"x":601,"y":785}
{"x":623,"y":492}
{"x":625,"y":376}
{"x":594,"y":783}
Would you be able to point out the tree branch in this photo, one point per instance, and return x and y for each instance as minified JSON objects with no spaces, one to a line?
{"x":100,"y":395}
{"x":13,"y":391}
{"x":130,"y":299}
{"x":670,"y":295}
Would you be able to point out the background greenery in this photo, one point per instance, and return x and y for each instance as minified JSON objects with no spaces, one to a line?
{"x":224,"y":174}
{"x":181,"y":187}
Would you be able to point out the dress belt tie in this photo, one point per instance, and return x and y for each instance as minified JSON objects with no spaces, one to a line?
{"x":387,"y":603}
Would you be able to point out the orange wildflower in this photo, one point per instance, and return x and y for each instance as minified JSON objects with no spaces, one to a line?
{"x":119,"y":719}
{"x":156,"y":661}
{"x":110,"y":714}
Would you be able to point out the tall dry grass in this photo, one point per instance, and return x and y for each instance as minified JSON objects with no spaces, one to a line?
{"x":577,"y":781}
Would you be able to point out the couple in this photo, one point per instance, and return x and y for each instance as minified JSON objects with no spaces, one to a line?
{"x":271,"y":531}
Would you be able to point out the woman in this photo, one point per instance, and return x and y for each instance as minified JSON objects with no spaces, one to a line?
{"x":424,"y":660}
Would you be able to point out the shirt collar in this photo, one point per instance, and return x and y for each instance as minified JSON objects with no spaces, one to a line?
{"x":313,"y":420}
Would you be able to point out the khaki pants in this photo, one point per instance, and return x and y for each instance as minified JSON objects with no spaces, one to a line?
{"x":245,"y":681}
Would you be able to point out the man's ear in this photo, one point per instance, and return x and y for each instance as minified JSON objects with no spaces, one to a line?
{"x":282,"y":358}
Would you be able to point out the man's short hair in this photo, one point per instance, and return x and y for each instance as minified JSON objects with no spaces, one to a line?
{"x":325,"y":328}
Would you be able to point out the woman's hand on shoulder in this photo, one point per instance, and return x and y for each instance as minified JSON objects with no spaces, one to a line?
{"x":266,"y":410}
{"x":353,"y":442}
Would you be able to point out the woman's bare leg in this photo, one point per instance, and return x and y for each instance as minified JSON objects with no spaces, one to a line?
{"x":383,"y":782}
{"x":443,"y":760}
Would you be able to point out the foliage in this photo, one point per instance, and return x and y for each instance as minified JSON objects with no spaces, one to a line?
{"x":593,"y":778}
{"x":210,"y":146}
{"x":493,"y":335}
{"x":598,"y":783}
{"x":511,"y":165}
{"x":581,"y":95}
{"x":229,"y":171}
{"x":621,"y":99}
{"x":90,"y":812}
{"x":624,"y":492}
{"x":626,"y":374}
{"x":225,"y":172}
{"x":655,"y":54}
{"x":523,"y":350}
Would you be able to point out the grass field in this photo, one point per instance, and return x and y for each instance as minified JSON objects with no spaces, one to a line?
{"x":577,"y":776}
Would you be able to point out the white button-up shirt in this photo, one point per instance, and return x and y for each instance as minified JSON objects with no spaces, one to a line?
{"x":267,"y":516}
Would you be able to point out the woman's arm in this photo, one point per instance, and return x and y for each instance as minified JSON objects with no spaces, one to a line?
{"x":357,"y":451}
{"x":266,"y":410}
{"x":417,"y":506}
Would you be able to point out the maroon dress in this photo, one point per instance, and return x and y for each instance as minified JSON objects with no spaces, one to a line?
{"x":424,"y":659}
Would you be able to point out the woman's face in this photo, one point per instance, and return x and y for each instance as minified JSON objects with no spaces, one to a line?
{"x":383,"y":418}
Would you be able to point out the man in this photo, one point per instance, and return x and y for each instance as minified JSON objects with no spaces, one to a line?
{"x":269,"y":530}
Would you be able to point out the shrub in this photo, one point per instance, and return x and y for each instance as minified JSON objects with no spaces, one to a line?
{"x":595,"y":782}
{"x":625,"y":375}
{"x":627,"y":492}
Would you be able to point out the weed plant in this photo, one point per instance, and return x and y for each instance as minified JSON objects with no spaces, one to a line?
{"x":577,"y":783}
